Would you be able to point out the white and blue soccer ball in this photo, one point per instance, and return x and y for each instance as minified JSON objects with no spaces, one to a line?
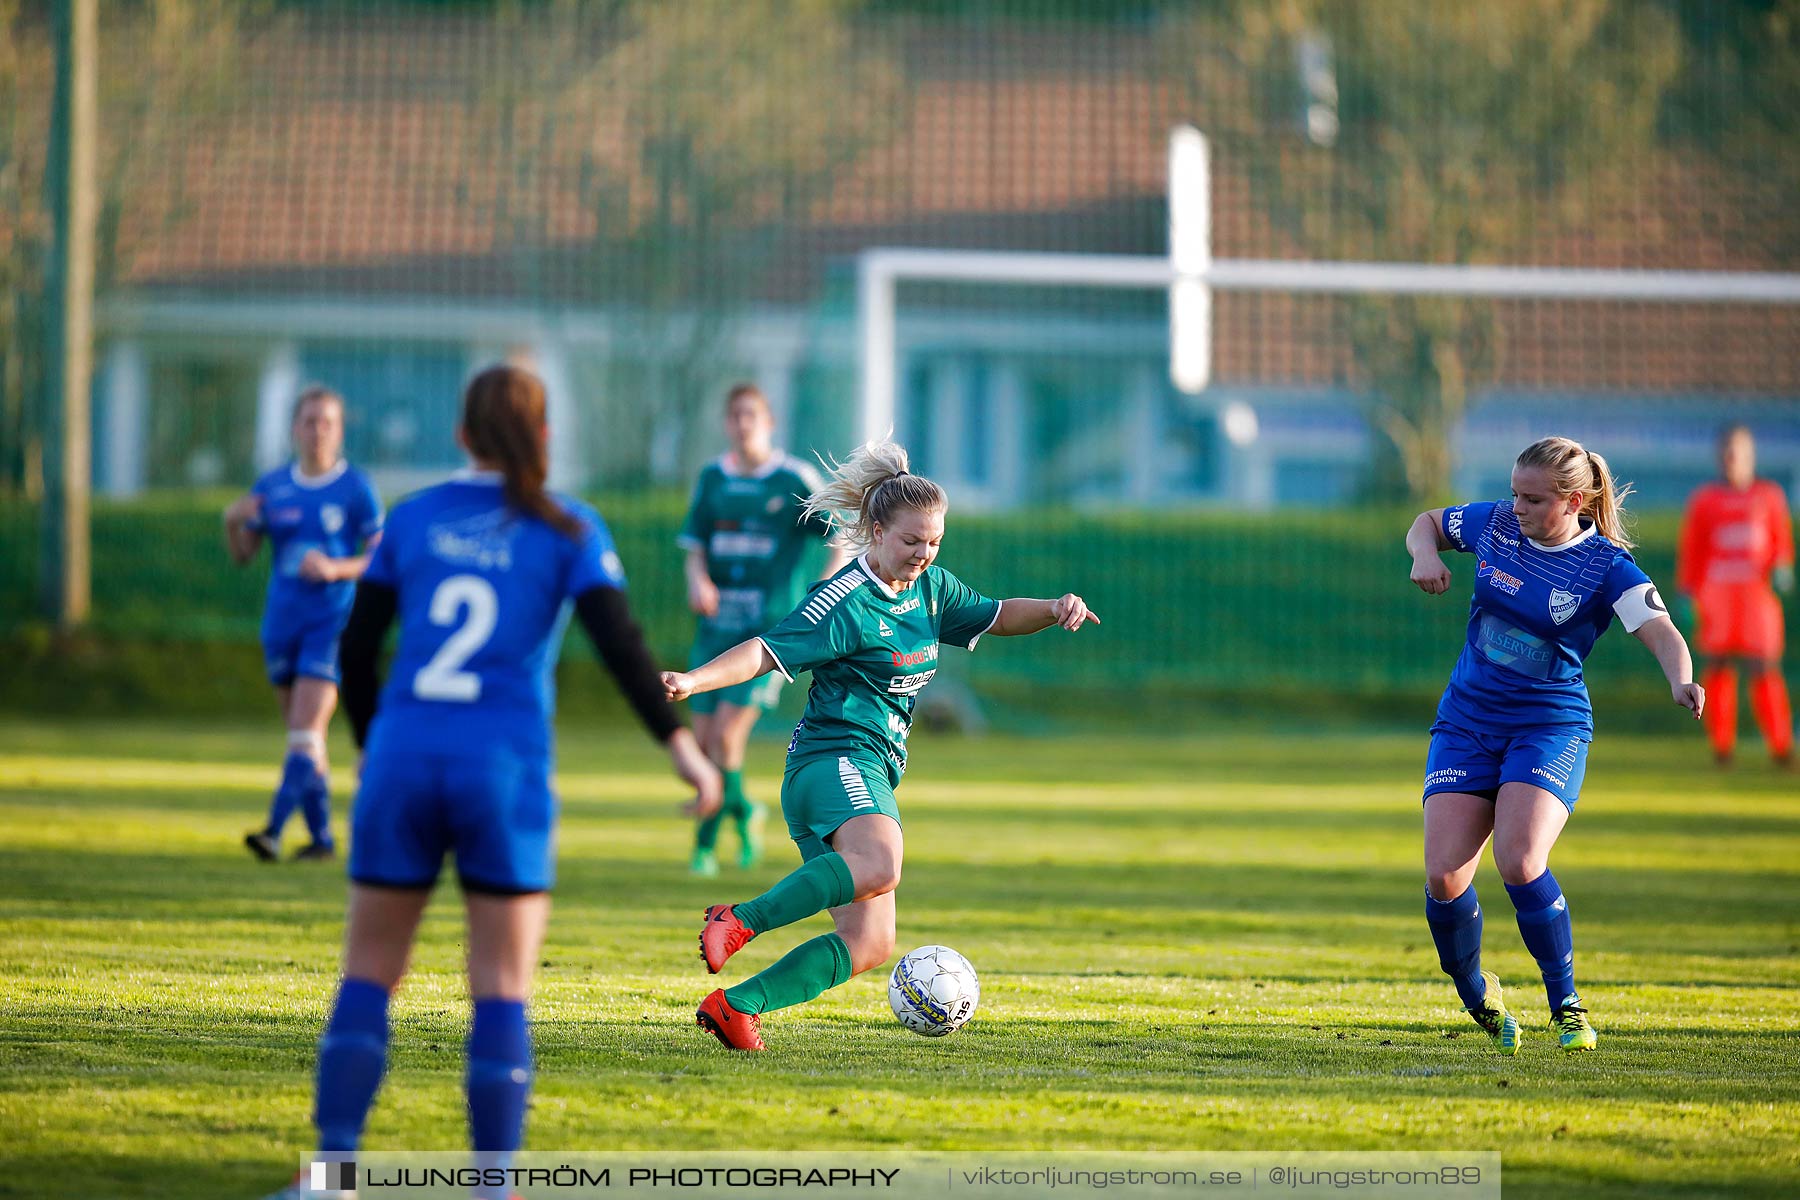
{"x":933,"y":991}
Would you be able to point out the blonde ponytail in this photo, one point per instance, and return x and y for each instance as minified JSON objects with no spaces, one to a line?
{"x":868,"y":489}
{"x":1574,"y":469}
{"x":1608,"y":503}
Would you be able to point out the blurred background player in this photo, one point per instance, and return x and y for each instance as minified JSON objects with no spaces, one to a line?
{"x":459,"y":756}
{"x":1509,"y":746}
{"x":870,"y":635}
{"x":746,"y":535}
{"x":1735,"y":538}
{"x":322,"y":518}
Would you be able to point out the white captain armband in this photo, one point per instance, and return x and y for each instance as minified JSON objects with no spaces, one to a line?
{"x":1639,"y":605}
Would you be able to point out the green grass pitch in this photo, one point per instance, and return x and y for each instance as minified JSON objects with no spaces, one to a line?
{"x":1214,"y":944}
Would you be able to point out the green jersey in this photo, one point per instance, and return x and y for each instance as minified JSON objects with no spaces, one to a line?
{"x":753,"y":533}
{"x":871,"y":652}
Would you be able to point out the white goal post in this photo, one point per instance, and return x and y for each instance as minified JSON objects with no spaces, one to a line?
{"x":1191,"y":274}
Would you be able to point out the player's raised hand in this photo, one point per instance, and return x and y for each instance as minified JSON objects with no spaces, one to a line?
{"x":1072,"y":613}
{"x":1431,"y":575}
{"x":1690,"y":696}
{"x":318,"y":567}
{"x":677,"y":685}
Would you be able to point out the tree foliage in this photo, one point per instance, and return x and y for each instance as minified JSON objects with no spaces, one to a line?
{"x":1464,"y":132}
{"x":167,"y":67}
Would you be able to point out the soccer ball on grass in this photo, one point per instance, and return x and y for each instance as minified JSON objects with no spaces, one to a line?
{"x":933,"y":991}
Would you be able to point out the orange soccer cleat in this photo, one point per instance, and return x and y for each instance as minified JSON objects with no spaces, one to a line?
{"x":722,"y":936}
{"x":736,"y":1030}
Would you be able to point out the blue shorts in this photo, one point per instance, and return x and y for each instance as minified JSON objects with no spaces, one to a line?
{"x":1554,"y":759}
{"x":491,"y":807}
{"x":294,"y":648}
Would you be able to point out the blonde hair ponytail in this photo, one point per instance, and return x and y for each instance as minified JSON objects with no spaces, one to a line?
{"x":868,"y":489}
{"x":1576,"y":470}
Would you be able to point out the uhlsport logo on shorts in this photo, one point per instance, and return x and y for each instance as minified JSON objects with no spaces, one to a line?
{"x":332,"y":1177}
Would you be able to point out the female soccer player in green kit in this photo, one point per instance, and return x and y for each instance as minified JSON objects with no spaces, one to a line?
{"x":870,"y":635}
{"x":745,"y":535}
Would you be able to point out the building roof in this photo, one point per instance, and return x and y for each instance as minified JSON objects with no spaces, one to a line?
{"x":366,"y":159}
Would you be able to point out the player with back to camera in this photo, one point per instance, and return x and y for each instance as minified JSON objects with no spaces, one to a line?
{"x":870,"y":636}
{"x":1510,"y":743}
{"x":322,"y":519}
{"x":745,"y":535}
{"x":459,"y":754}
{"x":1736,"y":538}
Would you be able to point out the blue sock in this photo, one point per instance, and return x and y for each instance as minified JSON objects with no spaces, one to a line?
{"x":1456,"y":928}
{"x":499,"y":1082}
{"x":1544,"y":924}
{"x":315,"y":798}
{"x":352,"y":1057}
{"x":281,"y":807}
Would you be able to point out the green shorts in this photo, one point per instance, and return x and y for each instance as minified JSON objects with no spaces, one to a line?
{"x":763,"y":693}
{"x":821,"y":794}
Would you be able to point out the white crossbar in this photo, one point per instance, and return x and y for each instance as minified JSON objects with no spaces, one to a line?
{"x":880,"y":269}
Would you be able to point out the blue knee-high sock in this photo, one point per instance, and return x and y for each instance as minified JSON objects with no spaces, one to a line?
{"x":315,"y":799}
{"x":352,"y":1057}
{"x":499,"y":1082}
{"x":1544,"y":924}
{"x":294,"y":771}
{"x":1456,"y":928}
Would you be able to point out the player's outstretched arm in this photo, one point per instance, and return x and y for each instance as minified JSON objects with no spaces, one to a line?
{"x":1425,"y":541}
{"x":1671,"y":650}
{"x":740,"y":664}
{"x":1020,"y":616}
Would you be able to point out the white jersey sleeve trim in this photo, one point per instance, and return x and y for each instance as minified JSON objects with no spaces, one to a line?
{"x":1638,"y":606}
{"x":689,"y":543}
{"x":998,"y":605}
{"x":779,"y":665}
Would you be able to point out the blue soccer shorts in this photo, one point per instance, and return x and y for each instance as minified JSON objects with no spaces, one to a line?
{"x":295,"y":648}
{"x":491,"y":807}
{"x":1554,"y":759}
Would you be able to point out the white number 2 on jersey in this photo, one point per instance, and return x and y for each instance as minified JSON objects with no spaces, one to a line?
{"x":443,"y":677}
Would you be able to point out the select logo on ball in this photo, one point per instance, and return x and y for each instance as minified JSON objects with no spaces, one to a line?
{"x":933,"y":991}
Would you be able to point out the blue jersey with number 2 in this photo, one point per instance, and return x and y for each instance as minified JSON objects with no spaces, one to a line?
{"x":1533,"y":620}
{"x":482,"y":594}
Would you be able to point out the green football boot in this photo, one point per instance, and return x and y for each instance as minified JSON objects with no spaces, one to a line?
{"x":1570,"y":1024}
{"x":1502,"y":1027}
{"x":704,"y":863}
{"x":750,"y":835}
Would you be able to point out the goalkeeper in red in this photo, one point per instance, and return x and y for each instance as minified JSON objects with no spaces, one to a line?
{"x":870,"y":636}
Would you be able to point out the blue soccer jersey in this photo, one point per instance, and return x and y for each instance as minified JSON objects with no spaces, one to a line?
{"x":1533,"y":620}
{"x":335,"y":513}
{"x":482,"y":595}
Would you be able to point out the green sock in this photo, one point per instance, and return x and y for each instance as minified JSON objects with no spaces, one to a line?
{"x":706,"y":833}
{"x":802,"y":973}
{"x":737,"y":805}
{"x":811,"y":887}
